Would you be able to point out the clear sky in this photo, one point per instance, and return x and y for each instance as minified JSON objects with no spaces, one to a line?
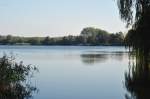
{"x":57,"y":17}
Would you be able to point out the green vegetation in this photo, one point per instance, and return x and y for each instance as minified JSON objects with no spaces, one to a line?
{"x":136,"y":13}
{"x":88,"y":36}
{"x":15,"y":79}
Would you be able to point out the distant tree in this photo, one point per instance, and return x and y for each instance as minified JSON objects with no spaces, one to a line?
{"x":94,"y":36}
{"x":89,"y":31}
{"x":89,"y":36}
{"x":46,"y":40}
{"x":117,"y":39}
{"x":9,"y":39}
{"x":102,"y":37}
{"x":80,"y":40}
{"x":20,"y":40}
{"x":34,"y":41}
{"x":2,"y":39}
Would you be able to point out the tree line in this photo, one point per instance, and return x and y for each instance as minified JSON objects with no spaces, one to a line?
{"x":89,"y":36}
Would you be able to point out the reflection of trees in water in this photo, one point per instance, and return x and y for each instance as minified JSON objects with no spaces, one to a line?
{"x":137,"y":79}
{"x":100,"y":57}
{"x":93,"y":58}
{"x":14,"y":82}
{"x":118,"y":55}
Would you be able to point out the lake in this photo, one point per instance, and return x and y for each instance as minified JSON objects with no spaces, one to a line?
{"x":75,"y":72}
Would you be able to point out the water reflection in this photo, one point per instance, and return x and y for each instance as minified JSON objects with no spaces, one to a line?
{"x":100,"y":57}
{"x":93,"y":58}
{"x":137,"y":80}
{"x":14,"y":79}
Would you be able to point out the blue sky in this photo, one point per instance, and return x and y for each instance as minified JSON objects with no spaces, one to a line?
{"x":57,"y":17}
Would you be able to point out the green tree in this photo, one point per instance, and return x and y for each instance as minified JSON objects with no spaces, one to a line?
{"x":9,"y":39}
{"x":46,"y":40}
{"x":131,"y":11}
{"x":136,"y":13}
{"x":94,"y":36}
{"x":34,"y":41}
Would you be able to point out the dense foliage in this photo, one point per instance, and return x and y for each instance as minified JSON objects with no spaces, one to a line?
{"x":137,"y":14}
{"x":131,"y":11}
{"x":15,"y":79}
{"x":88,"y":36}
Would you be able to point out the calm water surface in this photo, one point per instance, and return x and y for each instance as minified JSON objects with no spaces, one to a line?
{"x":75,"y":72}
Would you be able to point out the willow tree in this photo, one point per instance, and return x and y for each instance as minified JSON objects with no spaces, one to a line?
{"x":136,"y":13}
